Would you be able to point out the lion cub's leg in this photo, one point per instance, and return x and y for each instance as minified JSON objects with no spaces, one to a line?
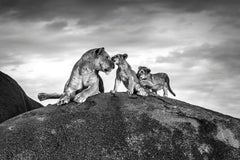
{"x":116,"y":84}
{"x":165,"y":90}
{"x":92,"y":89}
{"x":131,"y":84}
{"x":155,"y":92}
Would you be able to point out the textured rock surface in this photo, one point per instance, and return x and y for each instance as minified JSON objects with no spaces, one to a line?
{"x":13,"y":100}
{"x":121,"y":128}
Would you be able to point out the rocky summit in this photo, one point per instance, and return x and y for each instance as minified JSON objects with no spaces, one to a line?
{"x":13,"y":100}
{"x":119,"y":127}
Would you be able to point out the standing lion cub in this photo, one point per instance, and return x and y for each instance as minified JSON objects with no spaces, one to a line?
{"x":126,"y":75}
{"x":154,"y":82}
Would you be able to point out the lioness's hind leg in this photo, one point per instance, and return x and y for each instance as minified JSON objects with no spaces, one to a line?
{"x":71,"y":87}
{"x":92,"y":89}
{"x":81,"y":97}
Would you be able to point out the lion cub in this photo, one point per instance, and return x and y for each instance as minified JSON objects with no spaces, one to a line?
{"x":127,"y":76}
{"x":154,"y":82}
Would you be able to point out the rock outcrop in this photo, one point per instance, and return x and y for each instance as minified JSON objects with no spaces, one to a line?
{"x":13,"y":100}
{"x":119,"y":127}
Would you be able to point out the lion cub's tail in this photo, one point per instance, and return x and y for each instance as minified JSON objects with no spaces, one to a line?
{"x":168,"y":84}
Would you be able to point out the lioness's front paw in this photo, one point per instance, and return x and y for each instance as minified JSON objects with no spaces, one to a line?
{"x":130,"y":92}
{"x":79,"y":99}
{"x":63,"y":100}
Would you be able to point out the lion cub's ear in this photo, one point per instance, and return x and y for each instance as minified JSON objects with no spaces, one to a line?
{"x":148,"y":70}
{"x":140,"y":67}
{"x":98,"y":51}
{"x":125,"y":56}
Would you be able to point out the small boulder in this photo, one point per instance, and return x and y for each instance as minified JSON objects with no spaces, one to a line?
{"x":13,"y":100}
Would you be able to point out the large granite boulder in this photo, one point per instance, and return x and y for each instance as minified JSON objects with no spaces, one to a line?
{"x":13,"y":100}
{"x":120,"y":127}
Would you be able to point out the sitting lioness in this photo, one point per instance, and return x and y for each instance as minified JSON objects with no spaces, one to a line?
{"x":84,"y":80}
{"x":154,"y":82}
{"x":127,"y":76}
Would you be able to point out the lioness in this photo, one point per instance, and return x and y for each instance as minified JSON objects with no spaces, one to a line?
{"x":154,"y":82}
{"x":84,"y":80}
{"x":127,"y":76}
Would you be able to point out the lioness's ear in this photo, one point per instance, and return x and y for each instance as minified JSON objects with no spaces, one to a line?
{"x":125,"y":56}
{"x":99,"y":51}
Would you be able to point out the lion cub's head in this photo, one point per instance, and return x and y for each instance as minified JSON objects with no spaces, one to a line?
{"x":143,"y":72}
{"x":103,"y":60}
{"x":119,"y":58}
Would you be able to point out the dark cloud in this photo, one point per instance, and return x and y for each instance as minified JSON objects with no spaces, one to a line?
{"x":92,"y":10}
{"x":210,"y":72}
{"x":130,"y":37}
{"x":11,"y":59}
{"x":227,"y":25}
{"x":49,"y":9}
{"x":56,"y":25}
{"x":203,"y":5}
{"x":223,"y":57}
{"x":30,"y":45}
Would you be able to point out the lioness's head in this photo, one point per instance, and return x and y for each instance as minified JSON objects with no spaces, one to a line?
{"x":103,"y":61}
{"x":143,"y":72}
{"x":119,"y":58}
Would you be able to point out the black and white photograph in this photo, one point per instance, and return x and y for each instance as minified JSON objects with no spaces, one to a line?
{"x":119,"y":80}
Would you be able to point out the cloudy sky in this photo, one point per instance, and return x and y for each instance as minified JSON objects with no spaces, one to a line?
{"x":197,"y":42}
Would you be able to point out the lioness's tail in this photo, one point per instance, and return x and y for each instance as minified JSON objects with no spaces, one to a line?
{"x":44,"y":96}
{"x":168,"y":84}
